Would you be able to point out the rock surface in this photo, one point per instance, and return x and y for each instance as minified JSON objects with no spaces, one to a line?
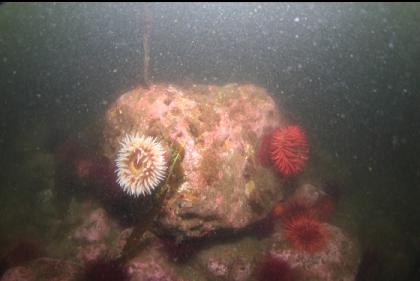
{"x":151,"y":264}
{"x":231,"y":260}
{"x":338,"y":261}
{"x":306,"y":195}
{"x":45,"y":269}
{"x":94,"y":235}
{"x":220,"y":129}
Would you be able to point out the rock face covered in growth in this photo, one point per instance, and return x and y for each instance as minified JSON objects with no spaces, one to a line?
{"x":223,"y":179}
{"x":220,"y":183}
{"x":337,"y":261}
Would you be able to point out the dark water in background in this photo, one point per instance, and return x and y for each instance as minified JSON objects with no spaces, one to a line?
{"x":349,"y":73}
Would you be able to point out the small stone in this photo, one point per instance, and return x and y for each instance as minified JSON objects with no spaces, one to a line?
{"x":307,"y":195}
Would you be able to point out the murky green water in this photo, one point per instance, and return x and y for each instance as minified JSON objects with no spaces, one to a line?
{"x":348,"y":73}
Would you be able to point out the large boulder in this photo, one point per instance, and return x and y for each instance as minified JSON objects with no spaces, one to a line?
{"x":223,"y":184}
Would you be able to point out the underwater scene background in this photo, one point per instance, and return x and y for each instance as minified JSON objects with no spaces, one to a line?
{"x":341,"y":80}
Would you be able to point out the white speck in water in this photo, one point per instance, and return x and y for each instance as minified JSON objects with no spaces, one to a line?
{"x":394,"y":141}
{"x":341,"y":115}
{"x":391,"y":45}
{"x":297,"y":19}
{"x":115,"y":70}
{"x":296,"y":36}
{"x":38,"y":96}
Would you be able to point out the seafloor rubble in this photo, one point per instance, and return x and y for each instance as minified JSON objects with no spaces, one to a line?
{"x":226,"y":214}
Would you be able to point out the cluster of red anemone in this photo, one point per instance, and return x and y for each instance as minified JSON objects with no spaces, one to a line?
{"x":288,"y":150}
